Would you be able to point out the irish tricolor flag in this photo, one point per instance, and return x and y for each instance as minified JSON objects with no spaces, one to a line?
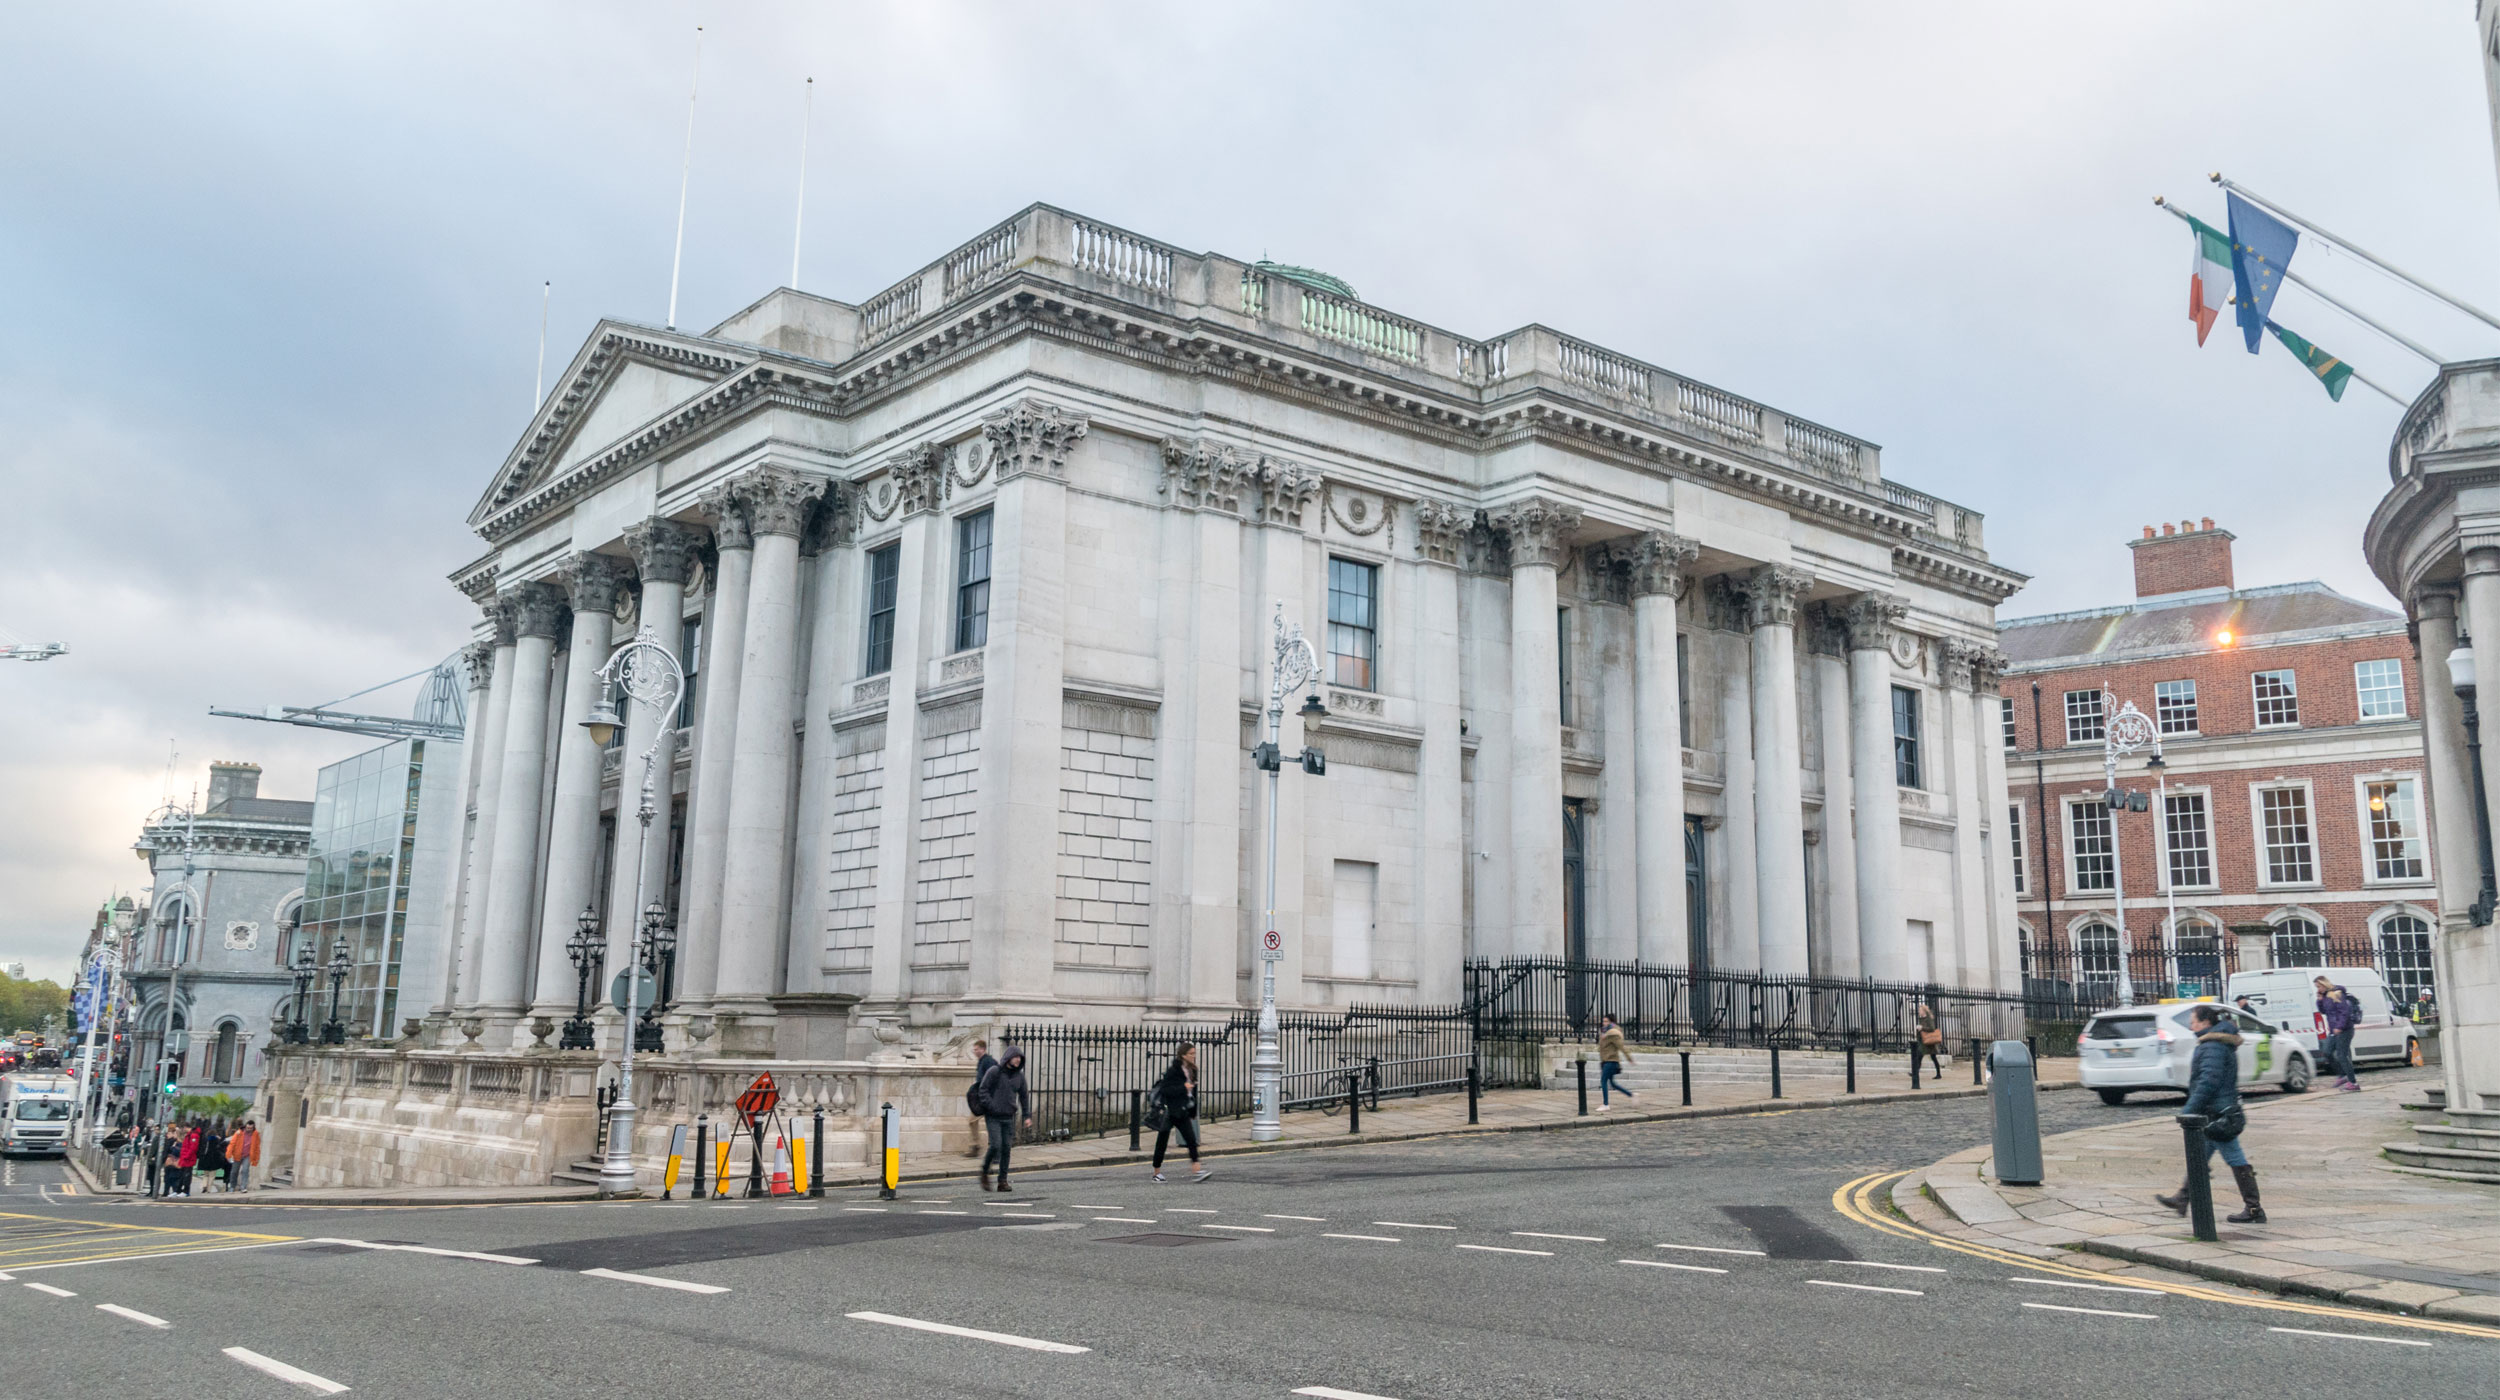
{"x":2209,"y":276}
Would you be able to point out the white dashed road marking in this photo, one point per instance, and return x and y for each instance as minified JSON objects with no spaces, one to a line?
{"x":1498,"y":1249}
{"x":1411,"y":1225}
{"x":2095,"y":1287}
{"x":863,"y":1210}
{"x":925,"y":1212}
{"x":133,"y":1314}
{"x":1309,"y":1219}
{"x":679,"y":1284}
{"x":1713,"y":1249}
{"x":1125,"y":1219}
{"x":2092,"y":1312}
{"x":1662,"y":1264}
{"x":1328,"y":1392}
{"x":48,"y":1288}
{"x":1020,"y":1215}
{"x":1244,"y":1229}
{"x":426,"y":1249}
{"x":284,"y":1372}
{"x":1541,"y":1235}
{"x":1186,"y":1210}
{"x":1871,"y":1288}
{"x":1871,"y":1264}
{"x":2349,"y":1336}
{"x":1002,"y":1338}
{"x":1375,"y":1239}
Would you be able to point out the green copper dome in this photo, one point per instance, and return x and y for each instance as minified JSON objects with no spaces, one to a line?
{"x":1309,"y":277}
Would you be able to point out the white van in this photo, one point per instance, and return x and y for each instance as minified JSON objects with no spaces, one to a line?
{"x":2288,"y":997}
{"x":35,"y":1111}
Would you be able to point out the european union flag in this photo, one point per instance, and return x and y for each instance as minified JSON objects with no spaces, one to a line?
{"x":2261,"y":248}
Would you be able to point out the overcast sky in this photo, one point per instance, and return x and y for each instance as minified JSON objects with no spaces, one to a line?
{"x":272,"y":273}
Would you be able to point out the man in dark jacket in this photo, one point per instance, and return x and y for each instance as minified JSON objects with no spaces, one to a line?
{"x":1003,"y":1100}
{"x":2214,"y":1092}
{"x":972,"y":1096}
{"x":2338,"y":1013}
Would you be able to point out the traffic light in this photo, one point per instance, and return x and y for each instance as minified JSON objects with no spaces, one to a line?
{"x":169,"y":1084}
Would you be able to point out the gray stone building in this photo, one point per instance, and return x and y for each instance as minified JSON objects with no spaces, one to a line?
{"x":980,"y":579}
{"x":225,"y":882}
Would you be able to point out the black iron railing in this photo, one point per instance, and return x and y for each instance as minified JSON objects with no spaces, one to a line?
{"x":1537,"y":1000}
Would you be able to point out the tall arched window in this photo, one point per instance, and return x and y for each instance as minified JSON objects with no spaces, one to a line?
{"x":2404,"y":956}
{"x":2197,"y":946}
{"x":2299,"y":942}
{"x":2022,"y":945}
{"x":2096,"y":952}
{"x":227,"y":1055}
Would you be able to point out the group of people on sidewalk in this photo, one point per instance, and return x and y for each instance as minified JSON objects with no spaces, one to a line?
{"x":212,"y":1153}
{"x":1000,"y":1102}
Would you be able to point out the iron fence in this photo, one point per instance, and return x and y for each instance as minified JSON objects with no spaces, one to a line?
{"x":1537,"y":1000}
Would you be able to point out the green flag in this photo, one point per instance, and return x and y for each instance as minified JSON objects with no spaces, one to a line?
{"x":2330,"y":371}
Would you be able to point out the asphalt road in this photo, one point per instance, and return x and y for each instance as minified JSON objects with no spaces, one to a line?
{"x":1525,"y":1266}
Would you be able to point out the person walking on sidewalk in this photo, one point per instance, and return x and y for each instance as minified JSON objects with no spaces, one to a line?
{"x":1003,"y":1099}
{"x":2338,"y":1013}
{"x":1176,"y":1110}
{"x":972,"y":1096}
{"x":213,"y":1156}
{"x":1930,"y":1040}
{"x":2214,"y":1091}
{"x":186,"y":1158}
{"x":1611,"y":1058}
{"x":243,"y":1154}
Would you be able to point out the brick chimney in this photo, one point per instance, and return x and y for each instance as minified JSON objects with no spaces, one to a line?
{"x":227,"y":781}
{"x":2181,"y":558}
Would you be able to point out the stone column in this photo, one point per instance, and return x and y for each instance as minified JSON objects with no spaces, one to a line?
{"x":664,"y":554}
{"x":2451,"y":796}
{"x":1441,"y":849}
{"x":1658,"y":560}
{"x":1778,"y":809}
{"x":1883,"y":939}
{"x":472,"y":931}
{"x":755,"y":870}
{"x":1973,"y":965}
{"x":595,"y":581}
{"x":1736,"y":939}
{"x":478,"y":658}
{"x":1988,"y":731}
{"x":511,"y":899}
{"x":715,"y":747}
{"x":2481,"y":622}
{"x":1827,"y":650}
{"x":1538,"y":531}
{"x":831,"y":638}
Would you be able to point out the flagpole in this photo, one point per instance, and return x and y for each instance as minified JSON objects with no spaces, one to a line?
{"x":2311,"y":288}
{"x":538,"y":396}
{"x":685,"y":176}
{"x":799,"y":226}
{"x":2382,"y":389}
{"x":2358,"y":251}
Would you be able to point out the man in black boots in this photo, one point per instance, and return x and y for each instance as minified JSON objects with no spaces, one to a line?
{"x":2214,"y":1091}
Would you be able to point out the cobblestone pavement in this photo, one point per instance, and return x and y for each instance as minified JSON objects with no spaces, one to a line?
{"x":2340,"y":1223}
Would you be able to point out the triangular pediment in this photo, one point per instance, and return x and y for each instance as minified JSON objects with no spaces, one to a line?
{"x":623,"y":378}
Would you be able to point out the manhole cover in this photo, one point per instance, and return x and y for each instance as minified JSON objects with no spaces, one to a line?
{"x":1164,"y":1241}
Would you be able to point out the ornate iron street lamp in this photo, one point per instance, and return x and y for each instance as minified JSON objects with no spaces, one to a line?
{"x":650,"y":677}
{"x":307,"y":970}
{"x":1296,"y":667}
{"x":585,"y":949}
{"x":2461,"y":679}
{"x":2127,"y":730}
{"x":659,"y":958}
{"x":334,"y":1031}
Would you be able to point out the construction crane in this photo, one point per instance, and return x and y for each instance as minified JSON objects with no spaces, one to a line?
{"x":440,"y":713}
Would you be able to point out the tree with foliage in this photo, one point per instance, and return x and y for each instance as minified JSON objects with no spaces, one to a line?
{"x":26,"y":1004}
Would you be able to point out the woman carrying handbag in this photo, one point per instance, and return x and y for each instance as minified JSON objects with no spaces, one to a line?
{"x":1930,"y":1039}
{"x":1176,"y":1109}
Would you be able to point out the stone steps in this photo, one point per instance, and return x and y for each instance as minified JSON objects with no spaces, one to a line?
{"x":2449,"y":1164}
{"x":2480,"y":1119}
{"x":2458,"y":1139}
{"x":583,"y":1172}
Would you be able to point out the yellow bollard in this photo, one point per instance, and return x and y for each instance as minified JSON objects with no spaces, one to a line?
{"x":676,"y":1158}
{"x":893,"y":1151}
{"x":798,"y":1165}
{"x":720,"y":1168}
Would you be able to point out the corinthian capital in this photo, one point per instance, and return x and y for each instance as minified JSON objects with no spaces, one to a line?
{"x":919,"y":477}
{"x":596,"y":581}
{"x":1203,"y":475}
{"x":720,"y":505}
{"x":1774,"y":589}
{"x":777,"y":500}
{"x":1439,"y":526}
{"x":1538,"y":531}
{"x":1873,"y":620}
{"x":1033,"y":436}
{"x":537,"y":609}
{"x":1284,"y":489}
{"x":479,"y":657}
{"x":664,"y":550}
{"x":1656,"y":561}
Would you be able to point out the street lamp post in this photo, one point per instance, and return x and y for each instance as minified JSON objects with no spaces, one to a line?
{"x":171,"y":1043}
{"x":2461,"y":679}
{"x":307,"y":970}
{"x":334,"y":1031}
{"x":108,"y":961}
{"x":2126,"y":731}
{"x":1296,"y":667}
{"x":659,"y":958}
{"x":651,"y":677}
{"x":584,"y":949}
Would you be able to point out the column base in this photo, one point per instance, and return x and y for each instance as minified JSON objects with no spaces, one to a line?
{"x":745,"y":1027}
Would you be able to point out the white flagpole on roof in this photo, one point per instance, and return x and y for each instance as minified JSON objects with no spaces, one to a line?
{"x":2358,"y":251}
{"x":538,"y":396}
{"x":2311,"y":288}
{"x":799,"y":226}
{"x":685,"y":176}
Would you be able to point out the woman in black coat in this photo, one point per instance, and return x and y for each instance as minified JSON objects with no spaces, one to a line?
{"x":1177,"y":1096}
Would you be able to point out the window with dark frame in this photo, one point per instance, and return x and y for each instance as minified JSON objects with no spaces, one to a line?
{"x":2005,"y":712}
{"x":2190,"y":830}
{"x":689,"y":655}
{"x":2278,"y":699}
{"x":2290,"y":859}
{"x":1683,"y":691}
{"x":1353,"y":623}
{"x":1562,"y":656}
{"x":885,"y":566}
{"x":1905,"y":738}
{"x":2089,"y":841}
{"x":2022,"y":849}
{"x":2174,"y":706}
{"x":2084,"y":719}
{"x":2395,"y":821}
{"x":972,"y":581}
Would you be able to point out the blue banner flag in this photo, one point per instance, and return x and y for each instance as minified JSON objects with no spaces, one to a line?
{"x":2261,"y":248}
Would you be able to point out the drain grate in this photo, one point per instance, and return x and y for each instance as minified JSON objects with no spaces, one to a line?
{"x":1164,"y":1241}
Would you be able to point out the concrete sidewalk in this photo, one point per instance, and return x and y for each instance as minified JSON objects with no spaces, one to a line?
{"x":2341,"y":1223}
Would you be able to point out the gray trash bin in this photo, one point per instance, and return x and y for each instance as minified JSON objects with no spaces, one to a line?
{"x":2014,"y":1106}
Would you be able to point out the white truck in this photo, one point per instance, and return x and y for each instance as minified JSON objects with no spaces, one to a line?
{"x":35,"y":1112}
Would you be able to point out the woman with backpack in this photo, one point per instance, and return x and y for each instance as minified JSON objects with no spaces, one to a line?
{"x":972,"y":1094}
{"x":1003,"y":1098}
{"x":2214,"y":1091}
{"x":1176,"y":1109}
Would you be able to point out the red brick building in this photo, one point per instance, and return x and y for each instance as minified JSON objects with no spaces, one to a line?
{"x":2294,"y":827}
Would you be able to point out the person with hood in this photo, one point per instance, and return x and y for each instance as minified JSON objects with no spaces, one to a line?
{"x":1612,"y":1056}
{"x":186,"y":1157}
{"x":212,"y":1161}
{"x":2214,"y":1091}
{"x":982,"y":1061}
{"x":1177,"y":1099}
{"x":1003,"y":1099}
{"x":2338,"y":1013}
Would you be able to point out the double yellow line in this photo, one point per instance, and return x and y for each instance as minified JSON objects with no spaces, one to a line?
{"x":1861,"y":1201}
{"x":85,"y":1241}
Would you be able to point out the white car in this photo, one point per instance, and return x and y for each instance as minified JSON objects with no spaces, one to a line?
{"x":2150,"y":1047}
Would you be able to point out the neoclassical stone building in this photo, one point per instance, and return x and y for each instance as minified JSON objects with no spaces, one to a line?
{"x":978,"y":581}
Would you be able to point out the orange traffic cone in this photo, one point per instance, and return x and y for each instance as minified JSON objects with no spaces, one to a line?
{"x":781,"y":1166}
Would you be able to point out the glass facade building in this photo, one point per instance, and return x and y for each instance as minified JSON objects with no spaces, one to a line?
{"x":364,"y":840}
